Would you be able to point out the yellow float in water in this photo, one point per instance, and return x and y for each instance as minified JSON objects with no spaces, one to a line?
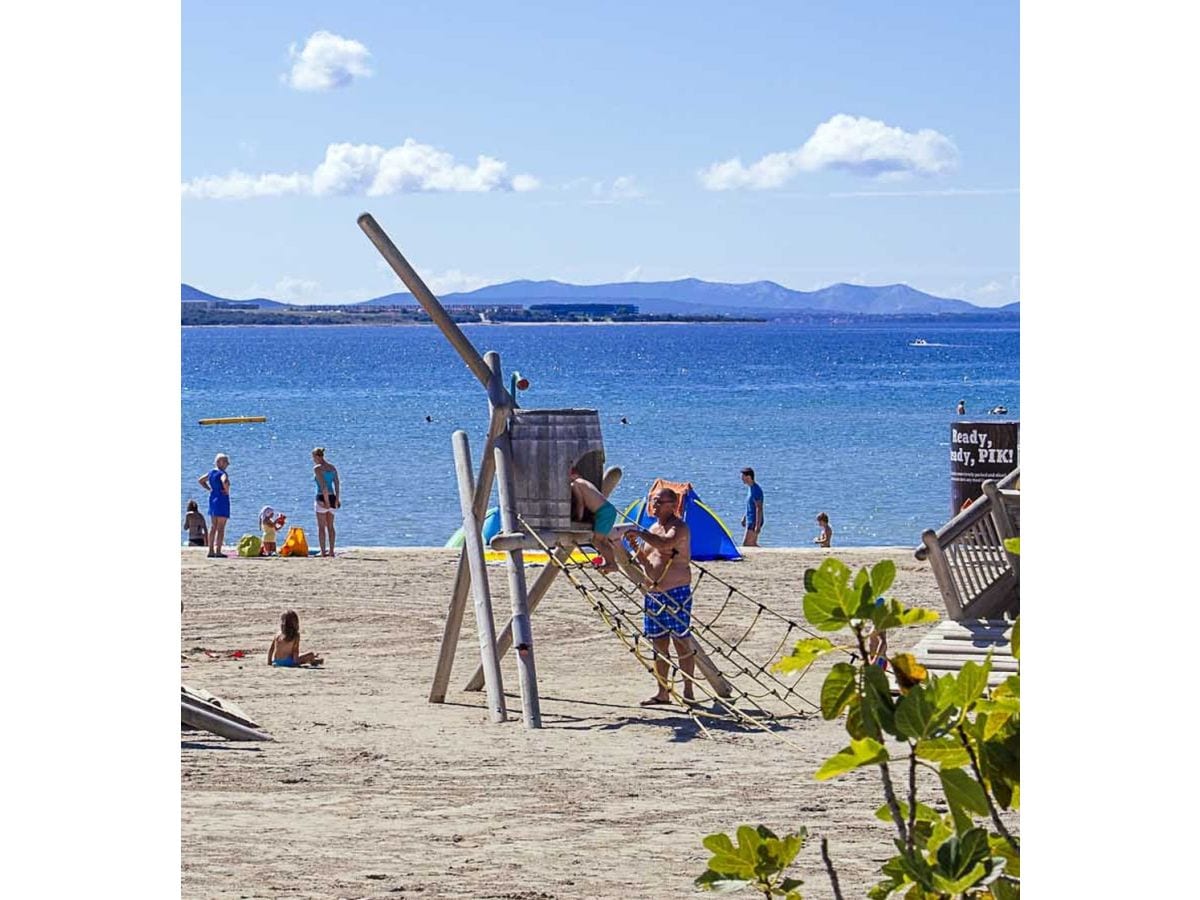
{"x":233,"y":420}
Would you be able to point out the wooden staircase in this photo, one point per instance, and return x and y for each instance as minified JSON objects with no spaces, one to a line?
{"x":980,"y":582}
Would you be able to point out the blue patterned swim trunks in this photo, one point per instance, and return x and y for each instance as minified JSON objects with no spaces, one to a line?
{"x":668,"y":611}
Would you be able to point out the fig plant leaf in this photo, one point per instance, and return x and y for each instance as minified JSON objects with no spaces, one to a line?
{"x":860,"y":753}
{"x":804,"y":654}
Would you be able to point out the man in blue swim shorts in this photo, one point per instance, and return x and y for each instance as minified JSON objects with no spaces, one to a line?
{"x":665,"y":555}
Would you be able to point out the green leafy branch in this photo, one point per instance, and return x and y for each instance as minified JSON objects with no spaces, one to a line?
{"x":756,"y":861}
{"x":955,"y":728}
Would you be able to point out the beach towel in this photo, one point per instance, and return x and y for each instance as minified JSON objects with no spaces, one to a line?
{"x":296,"y":544}
{"x":249,"y":545}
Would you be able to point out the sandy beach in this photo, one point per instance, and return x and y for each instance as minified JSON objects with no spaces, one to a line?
{"x":370,"y":791}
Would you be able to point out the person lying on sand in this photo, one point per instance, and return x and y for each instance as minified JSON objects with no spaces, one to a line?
{"x":285,"y":647}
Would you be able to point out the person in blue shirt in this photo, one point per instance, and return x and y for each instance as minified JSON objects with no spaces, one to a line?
{"x":753,"y":519}
{"x":216,"y":482}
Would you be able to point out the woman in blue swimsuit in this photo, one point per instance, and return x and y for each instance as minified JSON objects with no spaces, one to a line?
{"x":329,"y":491}
{"x":216,"y":482}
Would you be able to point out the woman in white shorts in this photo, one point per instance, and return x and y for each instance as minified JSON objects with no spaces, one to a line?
{"x":329,"y":491}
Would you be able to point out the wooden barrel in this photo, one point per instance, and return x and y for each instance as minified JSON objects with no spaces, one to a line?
{"x":545,"y":444}
{"x":979,"y":452}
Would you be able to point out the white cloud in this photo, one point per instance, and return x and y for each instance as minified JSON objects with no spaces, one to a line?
{"x":947,"y":192}
{"x":856,"y":144}
{"x":634,"y":274}
{"x":295,"y":290}
{"x":238,"y":185}
{"x":371,"y":170}
{"x":621,"y":189}
{"x":327,"y":61}
{"x":624,"y":187}
{"x":448,"y":282}
{"x":453,"y":281}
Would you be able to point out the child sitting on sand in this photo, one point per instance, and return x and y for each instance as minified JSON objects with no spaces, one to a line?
{"x":195,"y":526}
{"x":825,"y":536}
{"x":270,"y":522}
{"x":285,"y":647}
{"x":585,"y":498}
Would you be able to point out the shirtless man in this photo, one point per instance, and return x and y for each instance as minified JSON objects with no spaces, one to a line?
{"x":585,"y":498}
{"x":664,"y":553}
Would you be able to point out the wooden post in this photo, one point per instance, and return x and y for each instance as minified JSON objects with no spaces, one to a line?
{"x":612,"y":477}
{"x":430,"y":304}
{"x":484,"y":622}
{"x":521,"y":629}
{"x":721,"y":687}
{"x":536,"y":593}
{"x":462,"y":578}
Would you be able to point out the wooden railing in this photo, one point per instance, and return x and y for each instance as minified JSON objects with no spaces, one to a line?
{"x":978,"y":577}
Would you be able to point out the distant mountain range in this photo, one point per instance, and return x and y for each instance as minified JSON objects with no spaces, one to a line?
{"x":689,"y":296}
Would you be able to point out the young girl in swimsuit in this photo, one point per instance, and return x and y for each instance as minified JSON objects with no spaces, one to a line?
{"x":825,"y":536}
{"x":195,"y":526}
{"x":270,"y":522}
{"x":285,"y":648}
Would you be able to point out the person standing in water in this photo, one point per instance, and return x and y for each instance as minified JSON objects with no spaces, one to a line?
{"x":329,"y":498}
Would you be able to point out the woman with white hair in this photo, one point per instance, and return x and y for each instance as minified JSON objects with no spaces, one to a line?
{"x":216,"y":482}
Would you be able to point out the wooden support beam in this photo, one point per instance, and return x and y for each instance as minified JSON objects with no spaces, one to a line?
{"x":720,"y":685}
{"x":197,"y":714}
{"x":430,"y":304}
{"x":462,"y":578}
{"x":612,"y":477}
{"x":519,"y":541}
{"x":473,"y":544}
{"x":521,"y":627}
{"x":536,"y":593}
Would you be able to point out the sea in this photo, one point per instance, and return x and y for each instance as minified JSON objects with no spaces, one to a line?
{"x":851,"y":420}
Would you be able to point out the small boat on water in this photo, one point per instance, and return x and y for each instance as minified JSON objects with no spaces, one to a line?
{"x":919,"y":342}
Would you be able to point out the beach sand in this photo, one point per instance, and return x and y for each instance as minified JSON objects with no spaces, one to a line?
{"x":370,"y":791}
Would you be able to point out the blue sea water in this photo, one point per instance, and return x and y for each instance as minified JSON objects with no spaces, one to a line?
{"x":850,"y":420}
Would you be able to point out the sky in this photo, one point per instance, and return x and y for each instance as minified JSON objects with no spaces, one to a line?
{"x":801,"y":143}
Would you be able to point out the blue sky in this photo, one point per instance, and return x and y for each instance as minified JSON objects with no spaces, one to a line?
{"x":804,"y":143}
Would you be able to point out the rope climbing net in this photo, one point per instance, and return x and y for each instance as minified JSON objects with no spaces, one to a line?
{"x":742,"y":636}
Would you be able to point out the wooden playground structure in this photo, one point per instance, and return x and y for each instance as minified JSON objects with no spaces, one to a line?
{"x":528,"y":453}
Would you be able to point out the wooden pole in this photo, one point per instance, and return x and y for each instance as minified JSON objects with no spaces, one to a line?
{"x":521,"y":628}
{"x":430,"y":304}
{"x":462,"y":578}
{"x":536,"y":593}
{"x":612,"y":477}
{"x":205,"y":718}
{"x":721,"y":687}
{"x":484,"y":622}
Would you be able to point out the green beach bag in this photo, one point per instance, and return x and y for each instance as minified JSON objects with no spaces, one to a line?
{"x":250,"y":545}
